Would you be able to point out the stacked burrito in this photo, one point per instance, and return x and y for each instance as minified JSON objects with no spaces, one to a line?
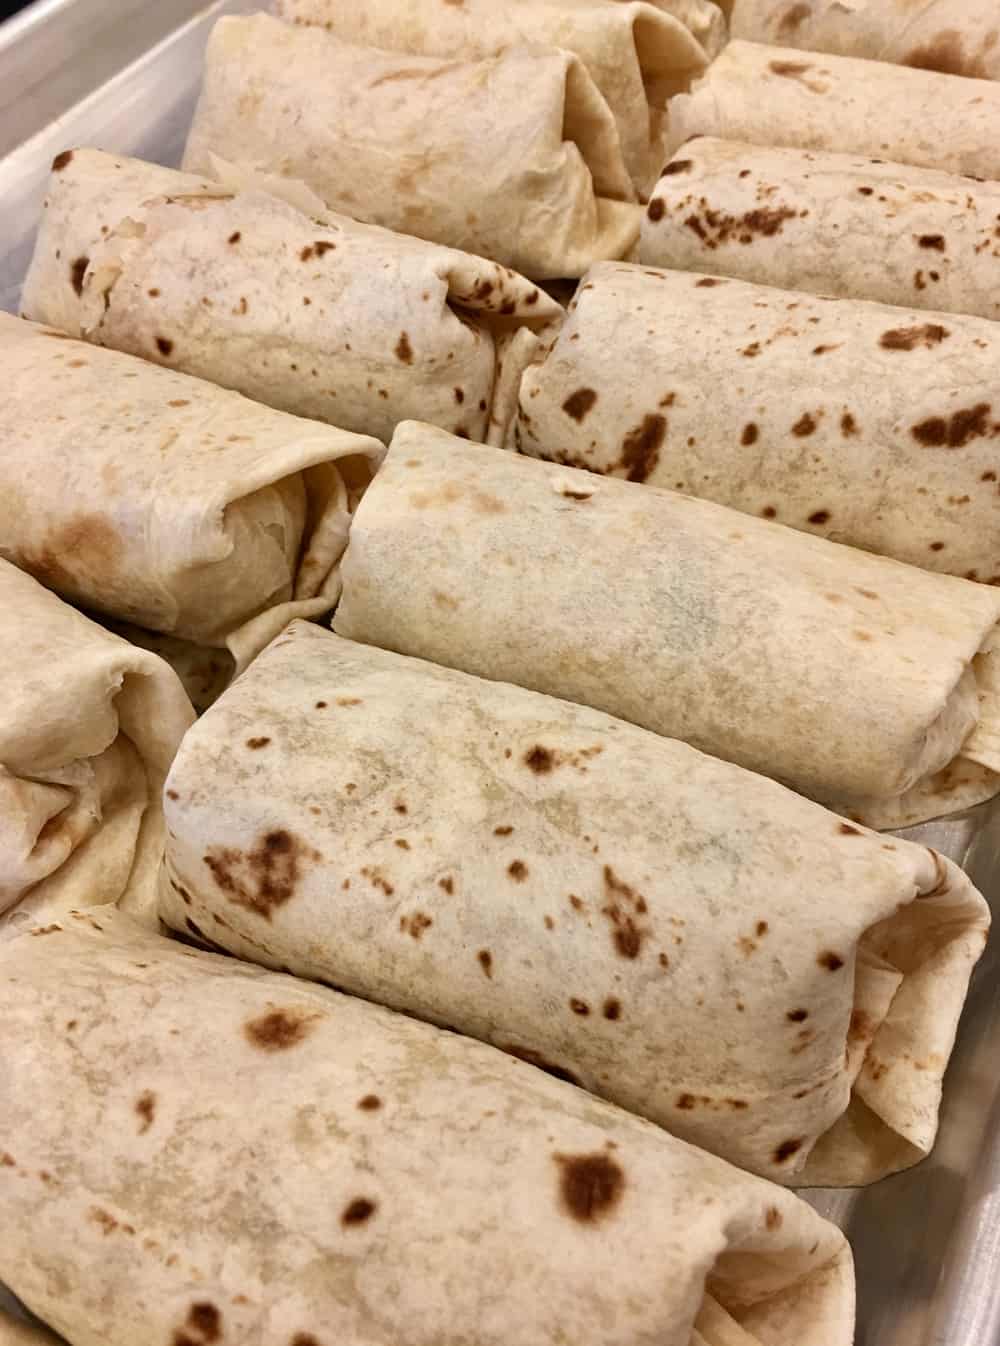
{"x":554,"y":452}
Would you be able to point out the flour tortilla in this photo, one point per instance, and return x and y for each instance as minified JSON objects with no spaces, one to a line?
{"x":516,"y":158}
{"x":320,"y":317}
{"x":869,"y":685}
{"x":165,"y":501}
{"x":88,"y":728}
{"x":833,"y":224}
{"x":869,"y":425}
{"x":778,"y":96}
{"x":407,"y":1183}
{"x":639,"y":55}
{"x":205,"y":673}
{"x":580,"y":891}
{"x":956,"y":37}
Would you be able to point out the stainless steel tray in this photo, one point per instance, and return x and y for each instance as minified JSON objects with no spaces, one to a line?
{"x":927,"y":1242}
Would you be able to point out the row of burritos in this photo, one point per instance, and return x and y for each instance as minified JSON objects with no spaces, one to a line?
{"x":588,"y":772}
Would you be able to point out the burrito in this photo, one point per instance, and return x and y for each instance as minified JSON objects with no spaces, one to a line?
{"x":167,"y":502}
{"x":639,"y":55}
{"x":780,"y":96}
{"x":337,"y":321}
{"x":870,"y":425}
{"x":833,"y":224}
{"x":405,"y":1183}
{"x":956,"y":37}
{"x":516,"y":157}
{"x":88,"y":728}
{"x":866,"y":684}
{"x":583,"y":894}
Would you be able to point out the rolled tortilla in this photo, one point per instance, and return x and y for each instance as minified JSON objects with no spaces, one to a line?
{"x":873,"y":426}
{"x":833,"y":224}
{"x":778,"y":96}
{"x":638,"y":54}
{"x":582,"y":893}
{"x":516,"y":157}
{"x":165,"y":501}
{"x":205,"y":673}
{"x":867,"y":684}
{"x":333,"y":320}
{"x":407,"y":1184}
{"x":88,"y":728}
{"x":956,"y":37}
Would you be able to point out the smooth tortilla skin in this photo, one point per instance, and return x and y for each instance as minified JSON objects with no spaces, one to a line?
{"x":778,"y":96}
{"x":516,"y":158}
{"x":955,"y":37}
{"x":873,"y":426}
{"x":838,"y":672}
{"x":581,"y":892}
{"x":88,"y":728}
{"x":194,"y":1146}
{"x":832,"y":224}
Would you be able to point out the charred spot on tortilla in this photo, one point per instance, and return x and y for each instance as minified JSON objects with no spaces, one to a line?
{"x":831,"y":961}
{"x":321,"y":705}
{"x":935,"y":241}
{"x":164,"y":345}
{"x":686,"y":1102}
{"x":677,"y":166}
{"x":848,"y":425}
{"x":536,"y":1059}
{"x":400,"y":807}
{"x":404,"y":351}
{"x":540,"y":760}
{"x":206,"y":1320}
{"x":787,"y":1149}
{"x":459,"y":395}
{"x":486,"y":962}
{"x":762,"y":928}
{"x":988,"y":476}
{"x":262,"y":878}
{"x":706,"y":282}
{"x":305,"y":1338}
{"x":769,"y":512}
{"x":946,"y":55}
{"x":695,"y":225}
{"x":447,"y":884}
{"x":145,"y":1106}
{"x":370,"y":1103}
{"x":805,"y":425}
{"x":77,"y":271}
{"x":358,"y":1211}
{"x":820,"y":516}
{"x":517,"y":870}
{"x":627,"y":934}
{"x":641,"y":447}
{"x":278,"y":1029}
{"x":956,"y":430}
{"x":260,"y":742}
{"x":797,"y":1016}
{"x":234,"y":237}
{"x":866,"y":191}
{"x":908,"y":338}
{"x":656,"y":209}
{"x":576,"y":495}
{"x":612,"y":1008}
{"x":579,"y":403}
{"x":508,"y":307}
{"x":502,"y":831}
{"x":415,"y":925}
{"x":62,"y":161}
{"x":591,"y":1185}
{"x":579,"y":1006}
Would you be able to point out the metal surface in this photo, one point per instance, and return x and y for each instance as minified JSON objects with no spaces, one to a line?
{"x":927,"y":1242}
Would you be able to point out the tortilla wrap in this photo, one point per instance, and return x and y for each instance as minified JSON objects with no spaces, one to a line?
{"x":777,"y":96}
{"x":869,"y":685}
{"x":833,"y":224}
{"x":516,"y":157}
{"x":88,"y":728}
{"x":407,"y":1184}
{"x":639,"y":55}
{"x":956,"y":37}
{"x":334,"y":320}
{"x":165,"y":501}
{"x":869,"y":425}
{"x":205,"y":673}
{"x":582,"y":893}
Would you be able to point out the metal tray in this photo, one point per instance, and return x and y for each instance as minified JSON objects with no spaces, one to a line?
{"x":926,"y":1242}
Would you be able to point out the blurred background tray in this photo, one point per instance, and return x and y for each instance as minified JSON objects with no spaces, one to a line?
{"x":123,"y":75}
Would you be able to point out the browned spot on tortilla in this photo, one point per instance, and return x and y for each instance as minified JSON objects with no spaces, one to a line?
{"x":486,"y":961}
{"x":787,"y":1149}
{"x":579,"y":403}
{"x":7,"y":1160}
{"x":797,"y":71}
{"x":797,"y":1016}
{"x":279,"y":1029}
{"x":773,"y":1218}
{"x":403,"y":349}
{"x":656,"y":209}
{"x":358,"y":1211}
{"x":769,"y":512}
{"x":77,"y":271}
{"x":612,"y":1008}
{"x":447,"y":884}
{"x":686,"y":1102}
{"x":415,"y":925}
{"x":536,"y":1059}
{"x":937,"y":546}
{"x":459,"y":395}
{"x":956,"y":430}
{"x":62,"y":161}
{"x":866,"y":191}
{"x":349,"y":701}
{"x":502,"y":831}
{"x":862,"y":1026}
{"x":264,"y":877}
{"x":805,"y":425}
{"x":946,"y":54}
{"x":164,"y":345}
{"x":540,"y":760}
{"x":749,"y":435}
{"x":370,"y":1103}
{"x":762,"y":928}
{"x":591,"y":1185}
{"x":848,"y":425}
{"x":579,"y":1006}
{"x":400,"y":807}
{"x":203,"y":1319}
{"x":179,"y":402}
{"x":677,"y":166}
{"x":792,"y":19}
{"x":107,"y":1221}
{"x":234,"y":237}
{"x":988,"y":476}
{"x":145,"y":1106}
{"x":831,"y":961}
{"x":260,"y":742}
{"x":848,"y":830}
{"x":908,"y":338}
{"x":575,"y":902}
{"x":307,"y":1338}
{"x":624,"y":904}
{"x":934,"y":241}
{"x":641,"y":447}
{"x":576,"y":495}
{"x":517,"y":870}
{"x":820,"y":516}
{"x":706,"y":283}
{"x":87,"y":546}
